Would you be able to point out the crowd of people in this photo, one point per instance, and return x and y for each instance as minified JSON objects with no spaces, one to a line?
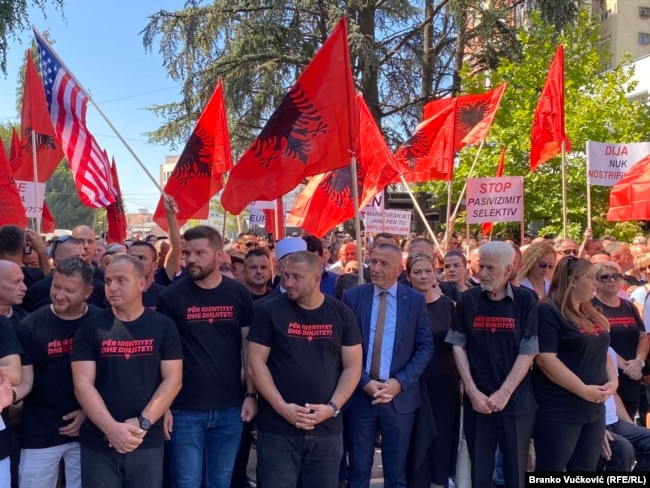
{"x":160,"y":362}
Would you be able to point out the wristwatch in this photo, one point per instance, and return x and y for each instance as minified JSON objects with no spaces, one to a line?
{"x":145,"y":423}
{"x":335,"y":408}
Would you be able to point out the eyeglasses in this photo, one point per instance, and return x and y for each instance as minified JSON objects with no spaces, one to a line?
{"x":566,"y":252}
{"x":60,"y":239}
{"x":251,"y":244}
{"x":610,"y":277}
{"x":544,"y":265}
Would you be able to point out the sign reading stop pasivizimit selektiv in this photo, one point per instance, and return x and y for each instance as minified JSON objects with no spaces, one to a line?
{"x":495,"y":199}
{"x":397,"y":222}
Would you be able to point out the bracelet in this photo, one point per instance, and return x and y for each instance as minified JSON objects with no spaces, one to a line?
{"x":251,"y":395}
{"x":642,"y":361}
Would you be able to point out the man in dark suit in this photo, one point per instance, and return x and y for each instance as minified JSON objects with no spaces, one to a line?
{"x":397,"y":346}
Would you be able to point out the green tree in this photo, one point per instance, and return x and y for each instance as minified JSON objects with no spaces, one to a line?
{"x":15,"y":18}
{"x":596,"y":109}
{"x":63,"y":200}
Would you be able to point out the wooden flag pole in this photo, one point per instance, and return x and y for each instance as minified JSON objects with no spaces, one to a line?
{"x":417,"y":207}
{"x":279,"y":219}
{"x":39,"y":211}
{"x":565,"y":220}
{"x":357,"y":220}
{"x":588,"y":190}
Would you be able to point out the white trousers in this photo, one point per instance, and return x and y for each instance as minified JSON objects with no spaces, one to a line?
{"x":39,"y":468}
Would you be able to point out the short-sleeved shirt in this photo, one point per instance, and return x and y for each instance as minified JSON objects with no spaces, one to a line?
{"x":209,"y":322}
{"x":493,"y":334}
{"x":151,"y":296}
{"x":625,"y":323}
{"x":9,"y":345}
{"x":583,"y":353}
{"x":128,"y":357}
{"x":305,"y":359}
{"x":39,"y":294}
{"x":47,"y":342}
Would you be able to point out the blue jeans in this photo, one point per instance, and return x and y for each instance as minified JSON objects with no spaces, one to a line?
{"x":204,"y":446}
{"x":287,"y":461}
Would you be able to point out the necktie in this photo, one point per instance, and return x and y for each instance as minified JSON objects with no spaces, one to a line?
{"x":375,"y":362}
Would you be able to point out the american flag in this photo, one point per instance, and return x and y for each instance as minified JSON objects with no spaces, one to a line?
{"x":67,"y":102}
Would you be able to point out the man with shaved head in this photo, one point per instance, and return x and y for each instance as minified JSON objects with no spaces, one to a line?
{"x":398,"y":345}
{"x":87,"y":236}
{"x":12,"y":291}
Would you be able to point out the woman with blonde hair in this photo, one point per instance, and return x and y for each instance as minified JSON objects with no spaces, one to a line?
{"x":574,"y":374}
{"x":538,"y":262}
{"x":626,"y":330}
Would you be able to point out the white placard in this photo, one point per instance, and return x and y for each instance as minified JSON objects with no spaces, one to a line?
{"x":28,"y":191}
{"x":397,"y":222}
{"x":261,"y":205}
{"x":607,"y":163}
{"x":495,"y":199}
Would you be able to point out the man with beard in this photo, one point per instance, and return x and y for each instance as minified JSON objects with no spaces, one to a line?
{"x":213,"y":314}
{"x":305,"y":358}
{"x":494,"y":338}
{"x":51,"y":414}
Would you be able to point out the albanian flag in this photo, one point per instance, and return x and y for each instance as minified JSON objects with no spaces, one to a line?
{"x":474,"y":115}
{"x":429,"y":153}
{"x":629,"y":199}
{"x":548,"y":130}
{"x":35,"y":118}
{"x":328,"y":200}
{"x":311,"y":132}
{"x":198,"y":174}
{"x":115,"y":215}
{"x":12,"y":210}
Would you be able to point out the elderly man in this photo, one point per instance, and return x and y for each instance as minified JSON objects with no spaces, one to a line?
{"x":566,"y":247}
{"x":398,"y":345}
{"x":494,"y":337}
{"x":12,"y":291}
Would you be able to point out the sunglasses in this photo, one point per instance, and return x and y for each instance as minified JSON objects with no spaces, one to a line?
{"x":544,"y":265}
{"x":251,"y":244}
{"x":610,"y":277}
{"x":566,"y":252}
{"x":62,"y":238}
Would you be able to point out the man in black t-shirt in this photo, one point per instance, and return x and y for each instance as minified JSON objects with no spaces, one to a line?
{"x":305,"y":358}
{"x":9,"y":373}
{"x":257,"y":273}
{"x":12,"y":291}
{"x":213,"y":314}
{"x":494,"y":337}
{"x":51,"y":414}
{"x":127,"y":369}
{"x":146,"y":253}
{"x":39,"y":293}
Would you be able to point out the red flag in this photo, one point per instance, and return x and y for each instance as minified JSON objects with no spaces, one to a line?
{"x":36,"y":118}
{"x":486,"y":228}
{"x":548,"y":130}
{"x":327,"y":200}
{"x":48,"y":222}
{"x":630,"y":197}
{"x":270,"y":221}
{"x":67,"y":102}
{"x":429,"y":153}
{"x":15,"y":151}
{"x":12,"y":210}
{"x":474,"y":114}
{"x":311,"y":132}
{"x":115,"y":215}
{"x":198,"y":174}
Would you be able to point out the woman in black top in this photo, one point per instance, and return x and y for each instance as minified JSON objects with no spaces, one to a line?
{"x":574,"y":374}
{"x":440,"y":378}
{"x":626,"y":331}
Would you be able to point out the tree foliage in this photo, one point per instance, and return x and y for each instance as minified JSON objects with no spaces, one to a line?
{"x":15,"y":18}
{"x":63,"y":200}
{"x":596,"y":109}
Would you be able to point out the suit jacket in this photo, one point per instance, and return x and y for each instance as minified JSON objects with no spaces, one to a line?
{"x":413,"y":345}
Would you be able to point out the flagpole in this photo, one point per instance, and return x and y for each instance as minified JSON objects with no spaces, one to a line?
{"x":469,"y":175}
{"x":449,"y":217}
{"x":279,"y":220}
{"x":357,"y":220}
{"x":119,"y":136}
{"x":417,"y":207}
{"x":588,"y":190}
{"x":39,"y":214}
{"x":564,"y":199}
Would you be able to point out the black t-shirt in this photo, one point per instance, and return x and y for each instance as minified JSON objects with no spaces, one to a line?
{"x":442,"y":362}
{"x":583,"y":353}
{"x":17,"y":314}
{"x":127,"y":357}
{"x":625,"y":323}
{"x":305,"y":358}
{"x":268,"y":292}
{"x":209,"y":323}
{"x":47,"y":342}
{"x":31,"y":275}
{"x":98,"y":273}
{"x":39,"y":295}
{"x":152,"y":295}
{"x":160,"y":277}
{"x":495,"y":334}
{"x":8,"y":345}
